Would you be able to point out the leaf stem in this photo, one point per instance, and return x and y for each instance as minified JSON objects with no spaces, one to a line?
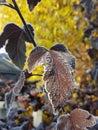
{"x":8,"y":5}
{"x":26,"y":27}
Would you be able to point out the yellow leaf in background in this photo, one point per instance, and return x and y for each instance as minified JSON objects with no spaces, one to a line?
{"x":67,"y":108}
{"x":41,"y":94}
{"x":47,"y":117}
{"x":17,"y":121}
{"x":74,"y":95}
{"x":29,"y":111}
{"x":96,"y":112}
{"x":94,"y":98}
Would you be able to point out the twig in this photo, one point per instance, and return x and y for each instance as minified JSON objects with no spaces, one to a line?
{"x":8,"y":5}
{"x":26,"y":27}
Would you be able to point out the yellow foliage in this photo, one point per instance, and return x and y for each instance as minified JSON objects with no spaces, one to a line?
{"x":29,"y":111}
{"x":54,"y":22}
{"x":67,"y":108}
{"x":97,"y":112}
{"x":74,"y":95}
{"x":94,"y":98}
{"x":17,"y":121}
{"x":47,"y":117}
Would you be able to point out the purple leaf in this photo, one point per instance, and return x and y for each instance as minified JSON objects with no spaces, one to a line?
{"x":19,"y":84}
{"x":10,"y":96}
{"x":78,"y":119}
{"x":58,"y":78}
{"x":14,"y":37}
{"x":32,"y":3}
{"x":81,"y":119}
{"x":58,"y":72}
{"x":64,"y":123}
{"x":35,"y":57}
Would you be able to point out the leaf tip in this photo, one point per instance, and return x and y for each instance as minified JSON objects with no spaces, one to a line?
{"x":32,"y":4}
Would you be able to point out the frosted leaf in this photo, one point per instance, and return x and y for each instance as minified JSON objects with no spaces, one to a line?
{"x":59,"y":65}
{"x":9,"y":98}
{"x":35,"y":57}
{"x":64,"y":123}
{"x":59,"y":79}
{"x":81,"y":119}
{"x":19,"y":84}
{"x":65,"y":52}
{"x":78,"y":119}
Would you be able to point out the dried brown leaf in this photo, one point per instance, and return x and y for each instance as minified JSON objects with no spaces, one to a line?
{"x":35,"y":57}
{"x":64,"y":123}
{"x":78,"y":120}
{"x":58,"y":78}
{"x":58,"y":72}
{"x":81,"y":119}
{"x":65,"y":53}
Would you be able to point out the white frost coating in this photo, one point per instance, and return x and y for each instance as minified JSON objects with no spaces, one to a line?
{"x":19,"y":85}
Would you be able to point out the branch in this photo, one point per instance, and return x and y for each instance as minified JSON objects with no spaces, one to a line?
{"x":22,"y":19}
{"x":8,"y":5}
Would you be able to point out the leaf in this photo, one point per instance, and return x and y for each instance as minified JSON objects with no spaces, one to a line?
{"x":14,"y":38}
{"x":81,"y":119}
{"x":10,"y":96}
{"x":59,"y":65}
{"x":78,"y":119}
{"x":17,"y":51}
{"x":32,"y":3}
{"x":69,"y":57}
{"x":64,"y":123}
{"x":95,"y":127}
{"x":19,"y":85}
{"x":59,"y":80}
{"x":31,"y":29}
{"x":35,"y":57}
